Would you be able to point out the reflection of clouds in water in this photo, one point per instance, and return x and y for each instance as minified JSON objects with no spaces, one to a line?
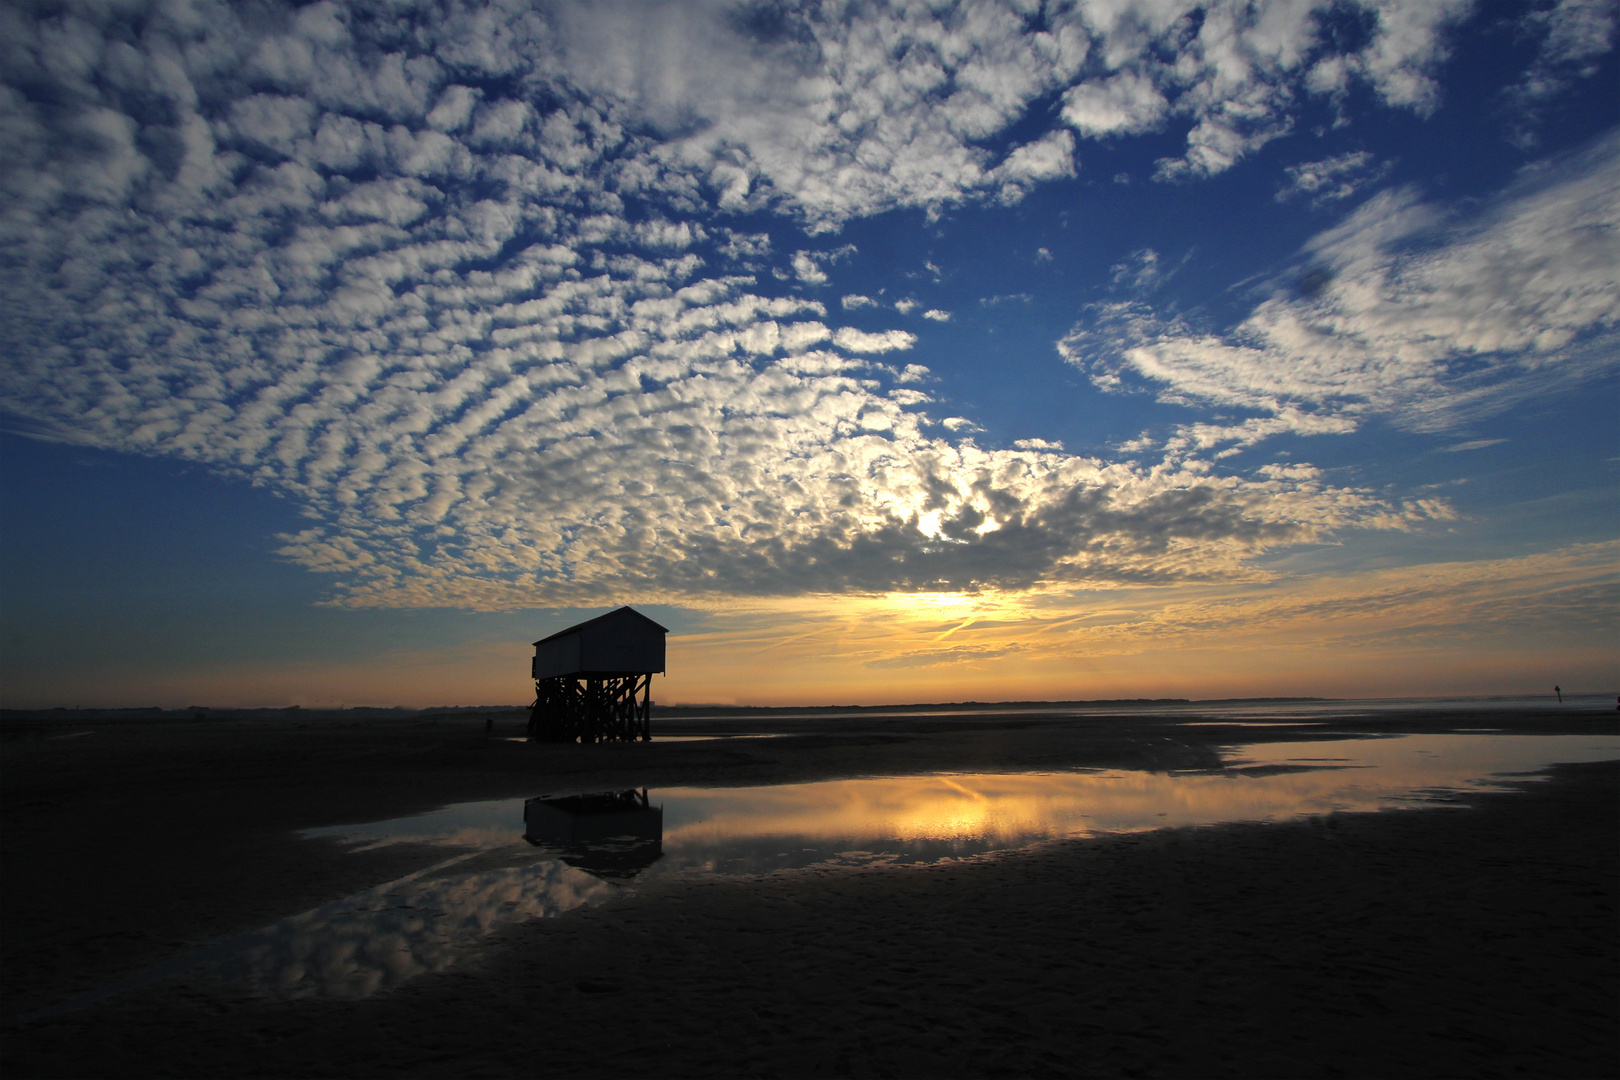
{"x":375,"y":940}
{"x":438,"y":833}
{"x":481,"y":825}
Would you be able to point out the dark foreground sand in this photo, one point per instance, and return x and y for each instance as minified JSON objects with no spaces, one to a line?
{"x":1436,"y":942}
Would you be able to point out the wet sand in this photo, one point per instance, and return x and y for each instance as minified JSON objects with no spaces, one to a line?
{"x":1434,"y":942}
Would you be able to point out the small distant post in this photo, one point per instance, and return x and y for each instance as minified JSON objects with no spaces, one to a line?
{"x":593,"y":681}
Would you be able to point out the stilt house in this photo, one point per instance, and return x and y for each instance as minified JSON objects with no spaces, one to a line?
{"x":588,"y":679}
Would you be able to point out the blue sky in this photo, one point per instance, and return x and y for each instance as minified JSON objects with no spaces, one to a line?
{"x":883,"y":352}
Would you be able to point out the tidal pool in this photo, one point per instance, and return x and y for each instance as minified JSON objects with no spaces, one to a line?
{"x":751,"y":830}
{"x":508,"y":861}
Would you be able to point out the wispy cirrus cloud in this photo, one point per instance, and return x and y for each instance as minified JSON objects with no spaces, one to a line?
{"x":1332,"y":179}
{"x":1442,"y":627}
{"x":1404,"y":310}
{"x":1574,"y":35}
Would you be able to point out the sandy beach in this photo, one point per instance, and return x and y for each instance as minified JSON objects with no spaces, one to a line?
{"x":1436,"y":942}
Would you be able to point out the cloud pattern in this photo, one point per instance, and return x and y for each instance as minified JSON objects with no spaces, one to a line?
{"x":466,"y":281}
{"x":1403,"y":311}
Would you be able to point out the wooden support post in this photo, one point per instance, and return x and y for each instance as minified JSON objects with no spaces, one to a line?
{"x":646,"y":708}
{"x":592,"y":709}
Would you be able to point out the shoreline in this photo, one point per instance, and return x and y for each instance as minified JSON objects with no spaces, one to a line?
{"x":203,"y":846}
{"x":11,"y":718}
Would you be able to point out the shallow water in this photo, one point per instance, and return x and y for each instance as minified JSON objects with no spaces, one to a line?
{"x":752,"y":830}
{"x":512,"y":860}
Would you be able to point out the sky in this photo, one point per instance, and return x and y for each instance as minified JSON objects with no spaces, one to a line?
{"x":883,"y":353}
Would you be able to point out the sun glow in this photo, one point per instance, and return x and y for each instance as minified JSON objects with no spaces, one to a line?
{"x":935,"y":605}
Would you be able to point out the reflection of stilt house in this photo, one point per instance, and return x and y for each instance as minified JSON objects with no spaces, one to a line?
{"x":588,"y":679}
{"x":613,"y":835}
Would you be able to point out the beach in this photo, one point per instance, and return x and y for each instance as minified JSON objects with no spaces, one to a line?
{"x":1420,"y":942}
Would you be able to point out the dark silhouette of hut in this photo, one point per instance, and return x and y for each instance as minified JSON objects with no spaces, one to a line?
{"x":587,"y":679}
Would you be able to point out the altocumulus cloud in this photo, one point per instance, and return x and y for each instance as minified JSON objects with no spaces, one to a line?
{"x":464,"y":282}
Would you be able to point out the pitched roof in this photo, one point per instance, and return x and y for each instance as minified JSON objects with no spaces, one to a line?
{"x":616,"y":613}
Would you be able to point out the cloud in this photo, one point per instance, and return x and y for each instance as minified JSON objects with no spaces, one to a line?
{"x":856,"y":302}
{"x":742,"y":247}
{"x":1406,"y":310}
{"x":1399,"y":62}
{"x":1124,"y":104}
{"x":1444,"y":627}
{"x":1238,"y":72}
{"x":955,"y":654}
{"x":1331,"y":179}
{"x":566,"y":428}
{"x":937,"y":315}
{"x":1471,"y":444}
{"x":1565,"y":599}
{"x":1574,"y":34}
{"x":1048,"y":158}
{"x":1141,"y":271}
{"x":835,"y":116}
{"x":852,"y":340}
{"x":828,"y":116}
{"x":1566,"y":595}
{"x":808,"y":270}
{"x":458,"y":282}
{"x":807,"y":265}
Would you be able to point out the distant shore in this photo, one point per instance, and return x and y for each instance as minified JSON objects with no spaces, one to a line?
{"x":1411,"y":943}
{"x":726,"y":711}
{"x":398,"y":712}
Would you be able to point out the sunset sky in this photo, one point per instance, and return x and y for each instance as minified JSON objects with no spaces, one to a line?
{"x":883,"y":353}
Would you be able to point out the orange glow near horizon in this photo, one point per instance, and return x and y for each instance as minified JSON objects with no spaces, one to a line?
{"x":1467,"y":628}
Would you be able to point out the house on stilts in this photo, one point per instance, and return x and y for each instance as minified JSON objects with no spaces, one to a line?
{"x":593,"y":681}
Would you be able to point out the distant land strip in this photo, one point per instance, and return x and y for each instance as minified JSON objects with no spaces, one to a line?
{"x":400,"y":712}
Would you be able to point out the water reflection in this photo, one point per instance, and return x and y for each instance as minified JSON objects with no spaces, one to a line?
{"x":548,"y":855}
{"x":374,"y":940}
{"x":377,"y":939}
{"x":614,"y":835}
{"x":926,"y":818}
{"x":751,"y":830}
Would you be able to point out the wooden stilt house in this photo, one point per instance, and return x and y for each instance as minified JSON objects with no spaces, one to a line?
{"x":588,"y":679}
